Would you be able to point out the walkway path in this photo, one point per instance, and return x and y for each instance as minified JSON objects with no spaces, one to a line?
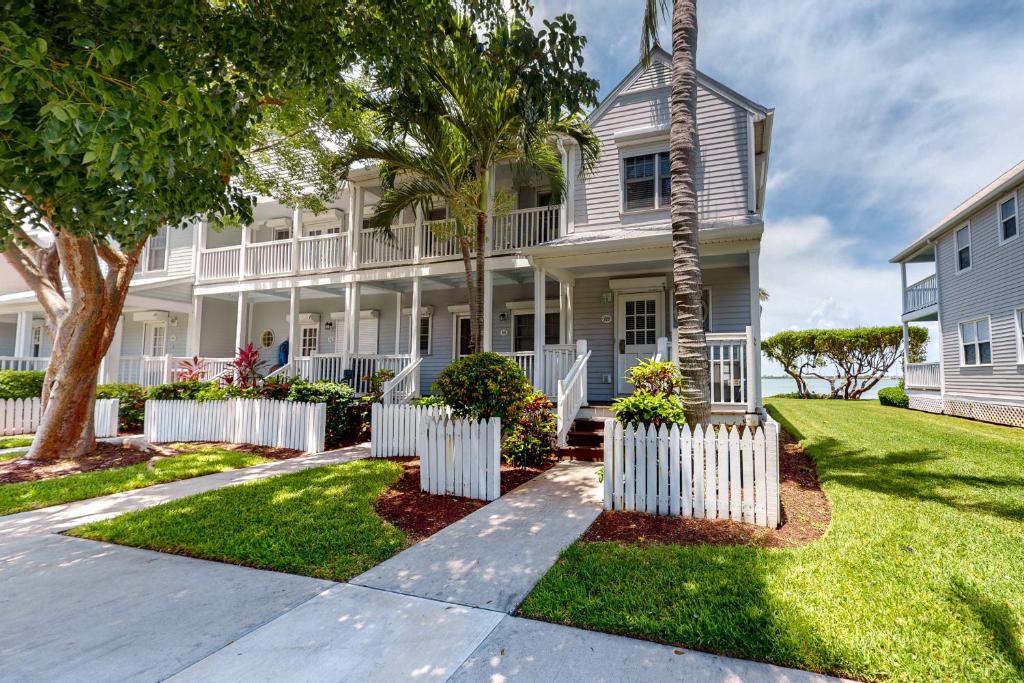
{"x":82,"y":610}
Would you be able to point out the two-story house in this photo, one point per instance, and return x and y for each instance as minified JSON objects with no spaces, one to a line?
{"x":976,"y":297}
{"x":586,"y":280}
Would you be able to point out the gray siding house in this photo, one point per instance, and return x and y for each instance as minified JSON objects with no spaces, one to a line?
{"x":976,"y":296}
{"x":585,"y":282}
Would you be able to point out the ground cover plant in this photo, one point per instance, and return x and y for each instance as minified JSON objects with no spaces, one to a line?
{"x":16,"y":441}
{"x":319,"y":522}
{"x":917,"y":577}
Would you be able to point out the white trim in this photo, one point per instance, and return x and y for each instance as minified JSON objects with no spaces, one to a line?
{"x":459,"y":309}
{"x":638,"y":284}
{"x":364,"y":314}
{"x":627,"y":153}
{"x":970,"y":249}
{"x":527,"y":306}
{"x":1000,"y":220}
{"x":455,"y":331}
{"x":711,"y":308}
{"x":424,"y":311}
{"x":643,"y":134}
{"x":960,"y":335}
{"x":1018,"y":318}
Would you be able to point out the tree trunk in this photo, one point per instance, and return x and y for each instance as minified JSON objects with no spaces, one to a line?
{"x":82,"y":323}
{"x":467,"y":262}
{"x":477,"y":324}
{"x":685,"y":160}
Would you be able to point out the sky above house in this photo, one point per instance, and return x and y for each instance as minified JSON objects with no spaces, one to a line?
{"x":888,"y":114}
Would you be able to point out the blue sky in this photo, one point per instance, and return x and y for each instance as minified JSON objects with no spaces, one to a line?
{"x":888,"y":114}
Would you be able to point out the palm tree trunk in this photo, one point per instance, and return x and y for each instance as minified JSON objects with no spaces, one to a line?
{"x":477,"y":325}
{"x":467,"y":263}
{"x":685,"y":160}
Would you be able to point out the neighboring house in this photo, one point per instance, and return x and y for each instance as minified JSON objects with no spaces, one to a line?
{"x":976,"y":295}
{"x":596,"y":268}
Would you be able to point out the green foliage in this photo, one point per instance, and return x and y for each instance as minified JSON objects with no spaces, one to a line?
{"x":131,"y":406}
{"x":344,"y":418}
{"x":21,"y":383}
{"x":377,"y":380}
{"x":429,"y":401}
{"x":655,"y":377}
{"x":893,"y":396}
{"x":642,"y":407}
{"x":850,"y":360}
{"x":185,"y":391}
{"x":484,"y":385}
{"x":532,"y":435}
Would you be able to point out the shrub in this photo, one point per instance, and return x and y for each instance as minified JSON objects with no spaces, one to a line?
{"x":344,"y":418}
{"x":429,"y":402}
{"x":893,"y":396}
{"x":646,"y":408}
{"x":184,"y":391}
{"x":484,"y":385}
{"x":21,"y":383}
{"x":377,"y":381}
{"x":192,"y":370}
{"x":655,"y":377}
{"x":532,"y":433}
{"x":131,"y":407}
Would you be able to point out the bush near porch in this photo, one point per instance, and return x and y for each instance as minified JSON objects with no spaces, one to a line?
{"x":21,"y":383}
{"x":917,"y":578}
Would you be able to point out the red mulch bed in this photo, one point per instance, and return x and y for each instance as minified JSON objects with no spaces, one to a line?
{"x":421,"y":514}
{"x":806,"y":514}
{"x":109,"y":456}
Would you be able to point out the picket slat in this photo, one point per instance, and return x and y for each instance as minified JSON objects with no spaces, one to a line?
{"x":743,"y":444}
{"x":662,"y":473}
{"x":722,"y":486}
{"x":710,"y":463}
{"x":609,"y":472}
{"x":760,"y":497}
{"x":629,"y":469}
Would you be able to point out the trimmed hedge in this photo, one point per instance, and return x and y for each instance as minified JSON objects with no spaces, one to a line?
{"x":484,"y":385}
{"x":132,"y":406}
{"x":533,"y":435}
{"x":21,"y":383}
{"x":893,"y":396}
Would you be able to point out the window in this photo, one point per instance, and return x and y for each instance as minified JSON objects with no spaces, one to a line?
{"x":647,"y":182}
{"x":282,"y":234}
{"x":423,"y":334}
{"x":463,"y":335}
{"x":705,"y":301}
{"x":309,"y":339}
{"x":267,"y":338}
{"x":975,"y":343}
{"x":37,"y":341}
{"x":156,"y":251}
{"x":522,"y":330}
{"x":1008,"y":218}
{"x":963,"y":248}
{"x":543,"y":199}
{"x":641,"y":322}
{"x":155,"y":339}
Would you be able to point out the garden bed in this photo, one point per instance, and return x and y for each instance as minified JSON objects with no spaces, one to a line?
{"x":420,"y":514}
{"x":806,"y":514}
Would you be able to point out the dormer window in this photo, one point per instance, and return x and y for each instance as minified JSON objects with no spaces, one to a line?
{"x":646,"y":181}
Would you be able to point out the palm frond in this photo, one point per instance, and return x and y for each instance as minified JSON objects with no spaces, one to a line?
{"x":580,"y":132}
{"x":416,"y":192}
{"x":653,"y":10}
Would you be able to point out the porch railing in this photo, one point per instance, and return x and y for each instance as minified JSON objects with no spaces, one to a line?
{"x":220,"y":263}
{"x":921,"y":294}
{"x":438,"y":240}
{"x":524,"y":359}
{"x":404,"y":386}
{"x":571,"y":391}
{"x":24,"y":363}
{"x":524,"y":228}
{"x":323,"y":252}
{"x":377,"y":249}
{"x":331,"y":367}
{"x":924,"y":376}
{"x":268,"y":258}
{"x":730,"y":356}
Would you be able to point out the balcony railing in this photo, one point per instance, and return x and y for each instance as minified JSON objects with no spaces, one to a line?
{"x":524,"y":228}
{"x":439,"y":241}
{"x":377,"y":249}
{"x":921,"y":295}
{"x":923,"y":376}
{"x":323,"y":252}
{"x":731,"y":356}
{"x":268,"y":258}
{"x":219,"y":264}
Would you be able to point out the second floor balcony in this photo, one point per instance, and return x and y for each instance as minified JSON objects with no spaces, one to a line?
{"x":409,"y":243}
{"x":921,"y":295}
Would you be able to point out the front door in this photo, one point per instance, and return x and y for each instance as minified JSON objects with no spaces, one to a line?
{"x":638,"y":326}
{"x":155,"y":339}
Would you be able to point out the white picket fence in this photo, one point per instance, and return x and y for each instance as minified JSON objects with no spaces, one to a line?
{"x":21,"y":416}
{"x":263,"y":422}
{"x":457,"y":457}
{"x":728,"y":473}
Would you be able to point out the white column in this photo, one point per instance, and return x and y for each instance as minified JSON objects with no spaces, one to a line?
{"x":565,"y":331}
{"x":355,"y":224}
{"x":352,"y":317}
{"x":240,"y":320}
{"x":906,"y":348}
{"x":296,"y":234}
{"x":538,"y":327}
{"x":294,"y":343}
{"x":23,"y":334}
{"x":488,"y":303}
{"x":346,"y":349}
{"x":417,"y":238}
{"x":414,"y":328}
{"x":195,"y":323}
{"x":113,"y":357}
{"x":753,"y":268}
{"x":243,"y":254}
{"x":490,"y":212}
{"x":398,"y":322}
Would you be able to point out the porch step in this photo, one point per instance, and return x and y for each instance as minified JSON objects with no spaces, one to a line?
{"x":593,"y":412}
{"x":586,"y":454}
{"x":585,"y":440}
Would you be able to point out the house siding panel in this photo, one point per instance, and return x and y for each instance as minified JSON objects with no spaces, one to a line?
{"x":7,"y":335}
{"x":217,"y":335}
{"x":994,"y":286}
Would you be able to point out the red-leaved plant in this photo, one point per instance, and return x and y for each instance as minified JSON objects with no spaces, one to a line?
{"x":245,"y":368}
{"x":192,"y":370}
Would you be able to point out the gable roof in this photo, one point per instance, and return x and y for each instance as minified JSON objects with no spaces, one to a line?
{"x":959,"y":215}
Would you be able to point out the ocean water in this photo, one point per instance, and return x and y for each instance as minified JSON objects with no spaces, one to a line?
{"x":772,"y":386}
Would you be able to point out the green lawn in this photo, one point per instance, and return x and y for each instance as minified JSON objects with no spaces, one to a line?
{"x":319,"y":522}
{"x":15,"y":441}
{"x":12,"y":455}
{"x":919,"y":577}
{"x":194,"y":461}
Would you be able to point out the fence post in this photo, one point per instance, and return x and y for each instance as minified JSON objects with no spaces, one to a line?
{"x":749,"y":380}
{"x":771,"y":429}
{"x":167,"y":369}
{"x":609,"y":465}
{"x":494,"y":455}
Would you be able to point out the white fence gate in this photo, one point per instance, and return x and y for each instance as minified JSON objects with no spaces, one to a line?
{"x":731,"y":473}
{"x":263,"y":422}
{"x":457,"y":457}
{"x":21,"y":416}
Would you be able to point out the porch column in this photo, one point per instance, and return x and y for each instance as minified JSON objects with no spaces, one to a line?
{"x":906,"y":348}
{"x":194,"y":327}
{"x":240,"y":320}
{"x":398,"y":323}
{"x":352,"y":317}
{"x":903,"y":307}
{"x":414,"y":333}
{"x":342,"y":334}
{"x":294,"y":343}
{"x":112,"y":361}
{"x":488,"y":342}
{"x":565,"y":294}
{"x":417,"y":238}
{"x":23,"y":334}
{"x":355,"y":224}
{"x":753,"y":271}
{"x":538,"y":327}
{"x":488,"y":248}
{"x":296,"y":234}
{"x":243,"y":256}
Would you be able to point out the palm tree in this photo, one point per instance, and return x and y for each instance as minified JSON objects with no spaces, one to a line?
{"x":441,"y":137}
{"x":684,"y":158}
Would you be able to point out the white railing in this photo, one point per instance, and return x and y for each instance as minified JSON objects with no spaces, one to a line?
{"x":213,"y":368}
{"x":263,"y":422}
{"x":220,"y":263}
{"x":571,"y":392}
{"x":328,"y":367}
{"x":924,"y":376}
{"x":148,"y":371}
{"x":728,"y":473}
{"x":22,"y":415}
{"x":524,"y":228}
{"x":323,"y":252}
{"x":268,"y":258}
{"x":376,"y":248}
{"x":524,"y":359}
{"x":730,"y":356}
{"x":404,"y":386}
{"x":24,"y":363}
{"x":558,"y":359}
{"x":365,"y":366}
{"x":439,"y":241}
{"x":331,"y":368}
{"x":921,"y":294}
